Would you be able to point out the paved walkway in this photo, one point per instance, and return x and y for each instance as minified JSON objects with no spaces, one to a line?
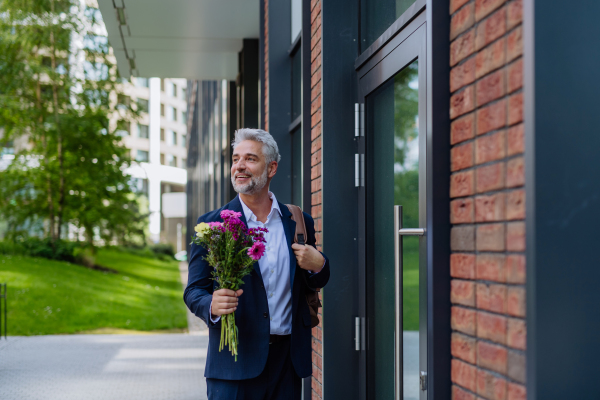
{"x":103,"y":367}
{"x":195,"y":325}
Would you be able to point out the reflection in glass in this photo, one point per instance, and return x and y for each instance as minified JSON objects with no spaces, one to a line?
{"x":377,"y":16}
{"x":393,"y":121}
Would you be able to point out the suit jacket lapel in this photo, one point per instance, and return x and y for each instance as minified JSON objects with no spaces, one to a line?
{"x":289,"y":227}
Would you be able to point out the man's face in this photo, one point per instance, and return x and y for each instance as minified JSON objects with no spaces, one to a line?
{"x":249,"y":171}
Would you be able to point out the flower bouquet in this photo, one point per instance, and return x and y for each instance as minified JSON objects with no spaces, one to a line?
{"x":232,"y":251}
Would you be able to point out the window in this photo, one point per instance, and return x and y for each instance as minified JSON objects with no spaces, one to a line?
{"x":172,"y":90}
{"x":297,"y":166}
{"x":184,"y":117}
{"x":142,"y":156}
{"x":123,"y":128}
{"x":296,"y":23}
{"x":171,"y":113}
{"x":96,"y":43}
{"x":139,"y":185}
{"x":162,"y":85}
{"x":183,"y":140}
{"x":184,"y":93}
{"x":90,"y":12}
{"x":143,"y":131}
{"x":141,"y":82}
{"x":184,"y":163}
{"x":376,"y":16}
{"x":171,"y":160}
{"x":162,"y":158}
{"x":162,"y":134}
{"x":143,"y":105}
{"x":123,"y":102}
{"x":95,"y":71}
{"x":295,"y":127}
{"x":7,"y":148}
{"x":162,"y":110}
{"x":296,"y":85}
{"x":171,"y":138}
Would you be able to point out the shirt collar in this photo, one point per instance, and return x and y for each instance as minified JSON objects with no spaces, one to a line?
{"x":250,"y":215}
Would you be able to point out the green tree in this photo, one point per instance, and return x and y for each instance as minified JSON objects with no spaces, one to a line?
{"x":59,"y":89}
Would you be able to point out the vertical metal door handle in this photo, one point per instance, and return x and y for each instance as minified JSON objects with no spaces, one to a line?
{"x":398,"y":292}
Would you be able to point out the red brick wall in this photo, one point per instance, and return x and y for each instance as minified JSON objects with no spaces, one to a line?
{"x":265,"y":87}
{"x":488,"y":200}
{"x":315,"y":176}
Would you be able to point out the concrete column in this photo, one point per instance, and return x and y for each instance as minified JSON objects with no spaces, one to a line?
{"x":154,"y":179}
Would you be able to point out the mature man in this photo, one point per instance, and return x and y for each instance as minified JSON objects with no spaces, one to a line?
{"x":271,"y":311}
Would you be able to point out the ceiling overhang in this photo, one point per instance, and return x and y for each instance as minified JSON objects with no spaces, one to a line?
{"x":193,"y":39}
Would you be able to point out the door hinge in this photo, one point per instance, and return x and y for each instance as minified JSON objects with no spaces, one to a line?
{"x":359,"y":119}
{"x":423,"y":380}
{"x":359,"y":170}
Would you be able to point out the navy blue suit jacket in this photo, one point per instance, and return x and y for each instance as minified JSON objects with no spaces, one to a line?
{"x":252,"y":314}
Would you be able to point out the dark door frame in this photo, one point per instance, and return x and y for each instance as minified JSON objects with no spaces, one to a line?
{"x":407,"y":39}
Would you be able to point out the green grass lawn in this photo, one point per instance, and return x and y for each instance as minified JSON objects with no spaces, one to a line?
{"x":52,"y":297}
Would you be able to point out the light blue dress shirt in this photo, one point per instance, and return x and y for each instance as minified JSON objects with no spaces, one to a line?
{"x":274,"y":268}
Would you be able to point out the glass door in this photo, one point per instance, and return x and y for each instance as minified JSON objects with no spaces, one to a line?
{"x":394,"y":198}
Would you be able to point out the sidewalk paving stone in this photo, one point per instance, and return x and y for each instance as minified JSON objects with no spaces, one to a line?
{"x":107,"y":367}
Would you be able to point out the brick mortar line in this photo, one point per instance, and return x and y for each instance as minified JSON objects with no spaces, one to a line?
{"x":488,"y":163}
{"x":489,"y":133}
{"x":490,"y":371}
{"x":489,"y":103}
{"x":506,"y":96}
{"x":486,"y":105}
{"x":488,"y":282}
{"x":506,"y":65}
{"x":473,"y":308}
{"x":477,"y":223}
{"x":488,"y":341}
{"x":488,"y":193}
{"x":476,"y":25}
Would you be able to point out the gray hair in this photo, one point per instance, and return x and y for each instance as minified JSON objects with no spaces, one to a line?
{"x":269,"y":148}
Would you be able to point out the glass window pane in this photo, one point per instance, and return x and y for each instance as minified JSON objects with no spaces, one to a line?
{"x":141,"y":156}
{"x":296,"y":24}
{"x":296,"y":85}
{"x":377,"y":16}
{"x":143,"y":131}
{"x":392,"y":121}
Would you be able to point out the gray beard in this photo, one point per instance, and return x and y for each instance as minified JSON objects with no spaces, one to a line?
{"x":254,"y":186}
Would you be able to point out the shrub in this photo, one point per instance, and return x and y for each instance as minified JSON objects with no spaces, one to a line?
{"x":163,"y":248}
{"x":60,"y":250}
{"x":12,"y":248}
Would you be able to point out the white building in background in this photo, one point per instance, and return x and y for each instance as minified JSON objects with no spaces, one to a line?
{"x":158,"y":141}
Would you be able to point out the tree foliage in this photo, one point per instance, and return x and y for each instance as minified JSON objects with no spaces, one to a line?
{"x":58,"y":91}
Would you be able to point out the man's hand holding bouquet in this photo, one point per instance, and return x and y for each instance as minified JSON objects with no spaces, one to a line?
{"x":232,"y":251}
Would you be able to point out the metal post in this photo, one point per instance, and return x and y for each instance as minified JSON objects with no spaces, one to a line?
{"x":3,"y":310}
{"x":399,"y":316}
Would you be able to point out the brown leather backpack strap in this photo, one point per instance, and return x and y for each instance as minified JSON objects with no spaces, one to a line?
{"x":298,"y":217}
{"x":300,"y":237}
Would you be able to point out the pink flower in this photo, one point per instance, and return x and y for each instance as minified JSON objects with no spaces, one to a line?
{"x":227,"y":214}
{"x":256,"y":251}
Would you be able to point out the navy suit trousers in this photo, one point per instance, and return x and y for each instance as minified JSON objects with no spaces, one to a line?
{"x":278,"y":381}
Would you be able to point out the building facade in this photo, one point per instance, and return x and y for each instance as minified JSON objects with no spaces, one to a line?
{"x":431,"y":142}
{"x":158,"y":143}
